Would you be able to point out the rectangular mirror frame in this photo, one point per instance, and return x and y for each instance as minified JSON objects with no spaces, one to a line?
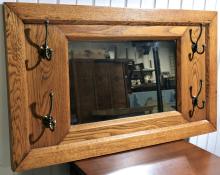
{"x":107,"y":137}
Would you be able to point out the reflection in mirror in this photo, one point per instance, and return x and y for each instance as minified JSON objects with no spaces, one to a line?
{"x":113,"y":79}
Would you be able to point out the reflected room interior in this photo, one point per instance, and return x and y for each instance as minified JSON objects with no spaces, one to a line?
{"x":117,"y":79}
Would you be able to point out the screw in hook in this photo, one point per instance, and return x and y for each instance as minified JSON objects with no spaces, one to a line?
{"x":48,"y":120}
{"x":46,"y":52}
{"x":195,"y":44}
{"x":195,"y":100}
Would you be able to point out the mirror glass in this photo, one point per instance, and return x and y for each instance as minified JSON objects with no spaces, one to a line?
{"x":116,"y":79}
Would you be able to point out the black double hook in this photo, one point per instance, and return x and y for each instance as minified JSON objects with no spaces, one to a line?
{"x":195,"y":44}
{"x":44,"y":51}
{"x":48,"y":120}
{"x":195,"y":100}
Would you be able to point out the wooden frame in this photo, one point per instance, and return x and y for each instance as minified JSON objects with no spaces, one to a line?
{"x":95,"y":139}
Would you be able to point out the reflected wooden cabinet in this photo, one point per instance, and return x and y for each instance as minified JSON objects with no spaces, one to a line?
{"x":41,"y":86}
{"x":97,"y":85}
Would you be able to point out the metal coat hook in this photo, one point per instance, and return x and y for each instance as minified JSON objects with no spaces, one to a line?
{"x":46,"y":52}
{"x":48,"y":120}
{"x":195,"y":44}
{"x":195,"y":100}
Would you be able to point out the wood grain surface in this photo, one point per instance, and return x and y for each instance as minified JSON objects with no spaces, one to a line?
{"x":107,"y":145}
{"x":71,"y":14}
{"x":211,"y":72}
{"x":191,"y":74}
{"x":106,"y":32}
{"x":45,"y":77}
{"x":17,"y":87}
{"x":142,"y":123}
{"x":31,"y":84}
{"x":171,"y":158}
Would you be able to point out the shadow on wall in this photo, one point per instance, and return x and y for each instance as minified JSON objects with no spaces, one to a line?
{"x":4,"y":131}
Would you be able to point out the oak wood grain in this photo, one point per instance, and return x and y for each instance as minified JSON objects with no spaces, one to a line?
{"x":191,"y":74}
{"x":96,"y":147}
{"x":46,"y":77}
{"x":124,"y":121}
{"x":106,"y":32}
{"x":197,"y":72}
{"x":148,"y":122}
{"x":211,"y":72}
{"x":71,"y":14}
{"x":27,"y":86}
{"x":17,"y":87}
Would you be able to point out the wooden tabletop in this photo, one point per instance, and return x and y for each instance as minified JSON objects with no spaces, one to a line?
{"x":174,"y":158}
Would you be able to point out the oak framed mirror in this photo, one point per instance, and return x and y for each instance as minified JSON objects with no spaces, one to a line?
{"x":89,"y":81}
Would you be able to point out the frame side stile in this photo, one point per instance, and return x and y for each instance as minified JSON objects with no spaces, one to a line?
{"x":211,"y":69}
{"x":68,"y":91}
{"x":180,"y":73}
{"x":68,"y":84}
{"x":46,"y":77}
{"x":17,"y":87}
{"x":183,"y":78}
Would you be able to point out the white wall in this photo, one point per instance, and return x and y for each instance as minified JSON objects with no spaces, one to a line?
{"x":210,"y":142}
